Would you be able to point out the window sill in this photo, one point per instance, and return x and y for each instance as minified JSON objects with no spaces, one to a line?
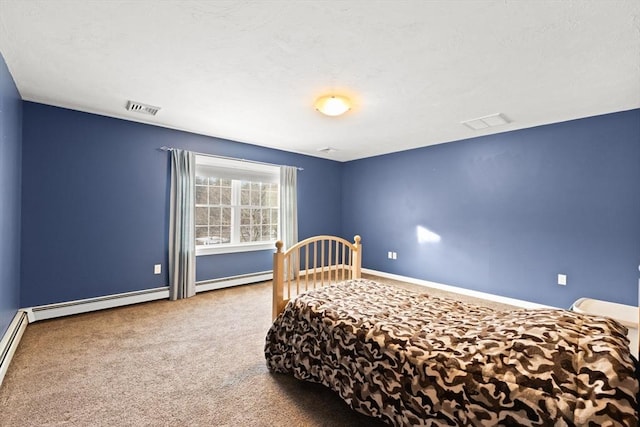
{"x":228,"y":249}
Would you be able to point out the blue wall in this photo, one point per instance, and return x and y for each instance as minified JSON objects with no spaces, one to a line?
{"x":513,"y":210}
{"x":10,"y":164}
{"x":95,"y":204}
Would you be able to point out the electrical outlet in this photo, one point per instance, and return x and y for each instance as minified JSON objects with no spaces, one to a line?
{"x":157,"y":269}
{"x":390,"y":255}
{"x":395,"y":255}
{"x":562,"y":279}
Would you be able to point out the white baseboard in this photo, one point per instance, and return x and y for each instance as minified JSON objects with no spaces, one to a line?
{"x":10,"y":341}
{"x":50,"y":311}
{"x":458,"y":290}
{"x":227,"y":282}
{"x":69,"y":308}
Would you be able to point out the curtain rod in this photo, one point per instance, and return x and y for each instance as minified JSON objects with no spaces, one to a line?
{"x":165,"y":148}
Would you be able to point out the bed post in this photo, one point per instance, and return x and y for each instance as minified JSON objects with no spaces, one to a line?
{"x":278,"y":279}
{"x":356,"y":258}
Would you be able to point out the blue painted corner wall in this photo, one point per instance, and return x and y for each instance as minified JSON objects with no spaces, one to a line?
{"x":512,"y":210}
{"x":10,"y":188}
{"x":95,"y":204}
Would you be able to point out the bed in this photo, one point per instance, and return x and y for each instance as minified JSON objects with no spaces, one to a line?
{"x":413,"y":359}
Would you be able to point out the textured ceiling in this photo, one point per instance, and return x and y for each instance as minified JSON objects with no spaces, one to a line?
{"x":250,"y":70}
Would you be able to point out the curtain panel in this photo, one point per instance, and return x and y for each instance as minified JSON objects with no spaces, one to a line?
{"x":288,"y":205}
{"x":182,"y":253}
{"x":289,"y":213}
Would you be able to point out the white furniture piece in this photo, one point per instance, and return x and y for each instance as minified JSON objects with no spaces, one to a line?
{"x":624,"y":314}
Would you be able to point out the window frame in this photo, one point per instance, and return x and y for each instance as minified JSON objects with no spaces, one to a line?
{"x":248,"y":169}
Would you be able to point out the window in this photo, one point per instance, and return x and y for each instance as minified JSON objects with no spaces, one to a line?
{"x":236,"y":206}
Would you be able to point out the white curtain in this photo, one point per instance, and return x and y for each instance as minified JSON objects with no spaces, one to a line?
{"x":182,"y":255}
{"x":288,"y":205}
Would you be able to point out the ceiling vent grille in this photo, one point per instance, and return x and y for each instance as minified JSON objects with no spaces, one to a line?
{"x":486,"y":122}
{"x":327,"y":150}
{"x":139,"y":107}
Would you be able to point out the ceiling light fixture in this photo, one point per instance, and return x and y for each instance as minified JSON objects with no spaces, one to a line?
{"x":333,"y":105}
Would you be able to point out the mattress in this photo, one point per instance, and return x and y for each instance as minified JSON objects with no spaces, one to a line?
{"x":414,"y":359}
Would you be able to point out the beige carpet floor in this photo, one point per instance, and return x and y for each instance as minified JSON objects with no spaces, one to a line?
{"x":193,"y":362}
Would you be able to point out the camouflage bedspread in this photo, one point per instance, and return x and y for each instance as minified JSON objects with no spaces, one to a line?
{"x":413,"y":359}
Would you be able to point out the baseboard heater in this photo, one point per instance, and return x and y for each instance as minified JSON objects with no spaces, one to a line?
{"x":227,"y":282}
{"x":10,"y":341}
{"x":51,"y":311}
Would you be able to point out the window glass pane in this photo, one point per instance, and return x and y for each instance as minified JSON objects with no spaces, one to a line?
{"x":201,"y":195}
{"x":245,"y":216}
{"x":225,"y":234}
{"x":201,"y":232}
{"x":255,"y":233}
{"x":225,"y":218}
{"x":255,"y":197}
{"x":225,"y":196}
{"x":225,"y":182}
{"x":251,"y":234}
{"x":214,"y":216}
{"x":201,"y":180}
{"x":201,"y":216}
{"x":245,"y":197}
{"x":274,"y":216}
{"x":265,"y":232}
{"x":213,"y":233}
{"x":245,"y":233}
{"x":214,"y":181}
{"x":256,"y":217}
{"x":255,"y":186}
{"x":214,"y":195}
{"x":214,"y":236}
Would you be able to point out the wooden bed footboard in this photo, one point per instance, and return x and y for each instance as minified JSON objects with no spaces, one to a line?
{"x":314,"y":262}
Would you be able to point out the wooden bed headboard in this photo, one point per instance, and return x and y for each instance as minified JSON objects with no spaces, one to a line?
{"x":314,"y":262}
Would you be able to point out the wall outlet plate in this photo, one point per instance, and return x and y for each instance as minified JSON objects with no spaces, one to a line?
{"x":562,"y":279}
{"x":157,"y":269}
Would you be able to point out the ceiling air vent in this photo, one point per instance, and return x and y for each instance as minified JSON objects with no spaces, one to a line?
{"x":139,"y":107}
{"x":486,"y":122}
{"x":327,"y":150}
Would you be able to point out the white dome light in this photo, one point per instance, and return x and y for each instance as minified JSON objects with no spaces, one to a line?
{"x":333,"y":105}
